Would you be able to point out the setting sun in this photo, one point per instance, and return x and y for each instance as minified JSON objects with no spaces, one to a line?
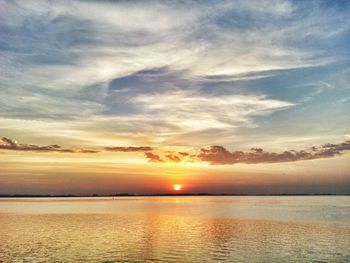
{"x":177,"y":187}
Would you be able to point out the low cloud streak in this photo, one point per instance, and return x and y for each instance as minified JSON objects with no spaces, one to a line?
{"x":219,"y":155}
{"x":129,"y":149}
{"x":10,"y":144}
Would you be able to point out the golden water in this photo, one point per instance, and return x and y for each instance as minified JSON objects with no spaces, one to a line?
{"x":176,"y":229}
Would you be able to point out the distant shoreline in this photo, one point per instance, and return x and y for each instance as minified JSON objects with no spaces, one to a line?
{"x":155,"y":195}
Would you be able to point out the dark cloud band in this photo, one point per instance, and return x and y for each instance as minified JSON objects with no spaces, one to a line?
{"x":217,"y":155}
{"x":129,"y":149}
{"x":9,"y":144}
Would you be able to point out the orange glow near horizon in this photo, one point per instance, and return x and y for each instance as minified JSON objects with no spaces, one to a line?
{"x":177,"y":187}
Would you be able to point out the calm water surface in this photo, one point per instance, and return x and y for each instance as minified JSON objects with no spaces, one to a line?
{"x":176,"y":229}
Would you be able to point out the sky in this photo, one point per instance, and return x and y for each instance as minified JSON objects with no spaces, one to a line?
{"x":135,"y":96}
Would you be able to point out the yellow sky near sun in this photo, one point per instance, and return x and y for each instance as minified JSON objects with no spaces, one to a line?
{"x":110,"y":172}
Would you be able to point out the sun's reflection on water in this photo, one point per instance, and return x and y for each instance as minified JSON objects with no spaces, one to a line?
{"x":165,"y":230}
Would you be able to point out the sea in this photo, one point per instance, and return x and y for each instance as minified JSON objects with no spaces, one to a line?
{"x":176,"y":229}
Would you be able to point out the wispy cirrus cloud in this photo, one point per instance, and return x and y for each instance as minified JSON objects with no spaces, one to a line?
{"x":186,"y":112}
{"x":65,"y":63}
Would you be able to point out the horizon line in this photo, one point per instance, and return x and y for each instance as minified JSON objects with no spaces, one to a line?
{"x":163,"y":194}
